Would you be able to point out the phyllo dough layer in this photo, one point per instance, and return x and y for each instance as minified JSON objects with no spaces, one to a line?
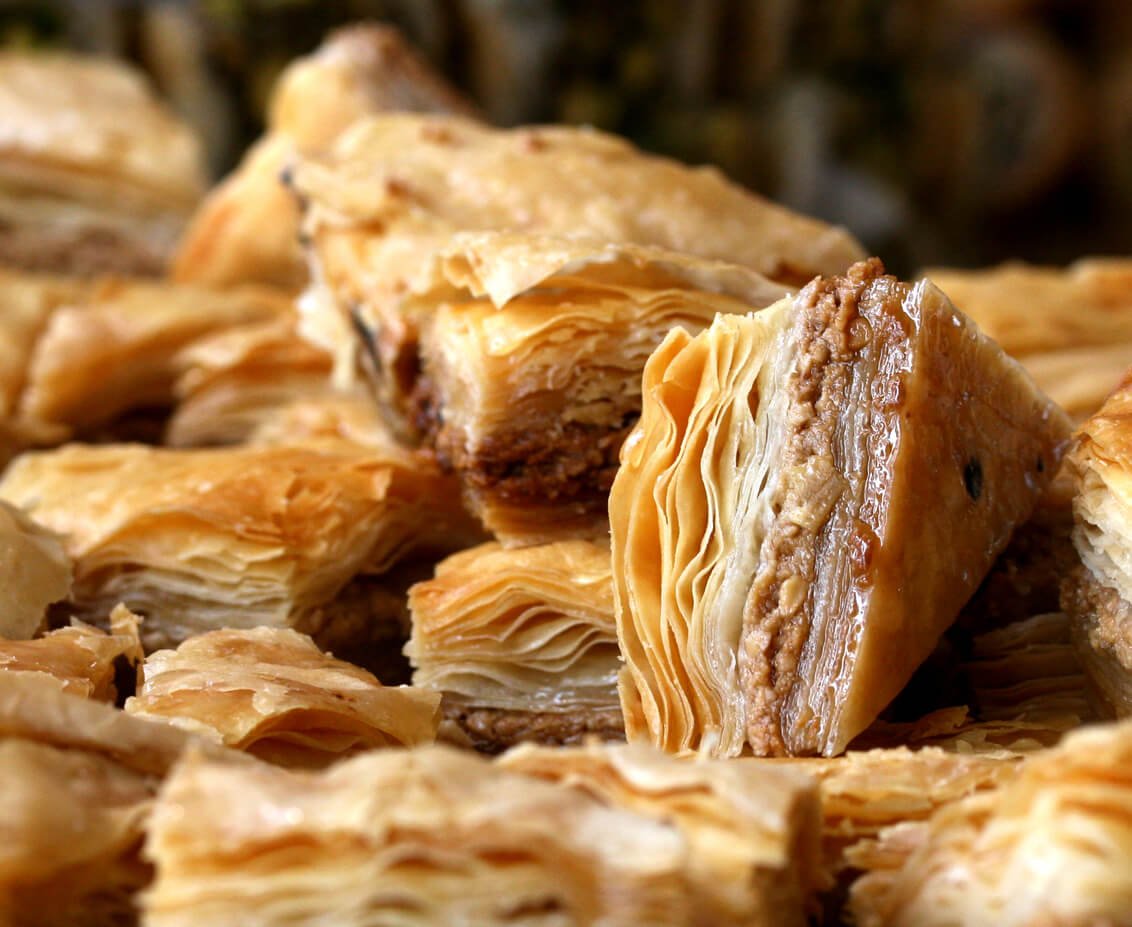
{"x":35,"y":572}
{"x":777,"y":580}
{"x":1097,"y":593}
{"x":1050,"y":846}
{"x":752,"y":832}
{"x":395,"y":188}
{"x":521,"y":642}
{"x":95,"y":173}
{"x":1069,"y":327}
{"x":273,"y":693}
{"x":428,"y":836}
{"x":239,"y":537}
{"x":532,"y":352}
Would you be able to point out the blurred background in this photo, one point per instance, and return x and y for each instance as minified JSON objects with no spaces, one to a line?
{"x":960,"y":132}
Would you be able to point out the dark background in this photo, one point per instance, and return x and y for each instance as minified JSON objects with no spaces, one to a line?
{"x":961,"y":132}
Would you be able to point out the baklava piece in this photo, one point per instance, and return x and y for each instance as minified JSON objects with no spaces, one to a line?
{"x":752,"y":832}
{"x":421,"y":837}
{"x":394,"y":189}
{"x":35,"y":572}
{"x":274,"y":694}
{"x":521,"y":643}
{"x":247,"y":230}
{"x":114,"y":350}
{"x":79,"y":780}
{"x":812,"y":493}
{"x":1097,"y":592}
{"x":1051,"y":845}
{"x":88,"y":661}
{"x":1070,"y":327}
{"x":532,"y":353}
{"x":96,"y":175}
{"x":194,"y":540}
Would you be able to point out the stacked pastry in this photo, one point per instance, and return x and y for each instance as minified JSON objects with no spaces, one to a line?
{"x":768,"y":511}
{"x":506,"y":289}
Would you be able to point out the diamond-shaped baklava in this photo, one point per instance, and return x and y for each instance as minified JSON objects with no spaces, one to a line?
{"x":812,"y":493}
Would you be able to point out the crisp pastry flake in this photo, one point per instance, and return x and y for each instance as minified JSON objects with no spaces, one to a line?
{"x":776,"y":585}
{"x":274,"y":694}
{"x":116,"y":347}
{"x":521,"y":642}
{"x":1069,"y":327}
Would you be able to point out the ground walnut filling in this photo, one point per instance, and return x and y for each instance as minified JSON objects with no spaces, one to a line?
{"x":816,"y":508}
{"x":492,"y":729}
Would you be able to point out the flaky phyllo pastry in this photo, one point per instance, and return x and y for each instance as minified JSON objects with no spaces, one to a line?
{"x":395,"y":188}
{"x":248,"y":227}
{"x":1069,"y":327}
{"x":752,"y":832}
{"x":35,"y":572}
{"x":273,"y":693}
{"x":95,"y":173}
{"x":429,"y":836}
{"x":532,"y":352}
{"x":86,"y":660}
{"x":1097,"y":593}
{"x":521,"y":642}
{"x":303,"y":537}
{"x":812,"y":493}
{"x":1049,"y":846}
{"x":79,"y":778}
